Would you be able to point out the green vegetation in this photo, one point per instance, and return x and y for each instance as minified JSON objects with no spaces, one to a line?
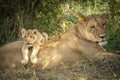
{"x":55,"y":17}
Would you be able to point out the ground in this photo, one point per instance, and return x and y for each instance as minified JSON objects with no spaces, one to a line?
{"x":109,"y":69}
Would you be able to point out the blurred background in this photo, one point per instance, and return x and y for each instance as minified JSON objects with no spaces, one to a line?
{"x":55,"y":17}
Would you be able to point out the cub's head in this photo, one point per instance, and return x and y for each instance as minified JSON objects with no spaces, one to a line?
{"x":93,"y":27}
{"x":29,"y":36}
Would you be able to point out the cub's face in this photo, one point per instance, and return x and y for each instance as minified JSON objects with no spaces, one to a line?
{"x":94,"y":27}
{"x":29,"y":36}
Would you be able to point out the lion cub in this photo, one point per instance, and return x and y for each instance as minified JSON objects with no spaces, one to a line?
{"x":32,"y":39}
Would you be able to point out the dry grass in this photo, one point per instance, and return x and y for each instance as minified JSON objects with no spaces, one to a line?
{"x":109,"y":69}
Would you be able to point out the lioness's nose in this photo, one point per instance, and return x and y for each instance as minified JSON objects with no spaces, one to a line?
{"x":102,"y":36}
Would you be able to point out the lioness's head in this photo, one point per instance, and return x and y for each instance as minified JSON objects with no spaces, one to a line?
{"x":29,"y":36}
{"x":93,"y":27}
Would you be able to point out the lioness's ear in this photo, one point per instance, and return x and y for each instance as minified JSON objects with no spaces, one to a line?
{"x":23,"y":31}
{"x":105,"y":16}
{"x":82,"y":19}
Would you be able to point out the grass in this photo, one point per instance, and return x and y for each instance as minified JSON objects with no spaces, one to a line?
{"x":109,"y":69}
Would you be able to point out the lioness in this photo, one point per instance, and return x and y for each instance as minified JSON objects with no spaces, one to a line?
{"x":79,"y":42}
{"x":32,"y":39}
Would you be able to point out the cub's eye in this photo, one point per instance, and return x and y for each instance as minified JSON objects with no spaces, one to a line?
{"x":31,"y":36}
{"x":93,"y":27}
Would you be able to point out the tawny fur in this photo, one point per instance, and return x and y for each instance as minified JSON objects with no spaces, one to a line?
{"x":78,"y":43}
{"x":32,"y":38}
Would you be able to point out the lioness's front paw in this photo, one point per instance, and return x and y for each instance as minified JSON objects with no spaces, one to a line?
{"x":24,"y":62}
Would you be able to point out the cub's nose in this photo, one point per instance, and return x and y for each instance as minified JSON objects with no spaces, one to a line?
{"x":102,"y":36}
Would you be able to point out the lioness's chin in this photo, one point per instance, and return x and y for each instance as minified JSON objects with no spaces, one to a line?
{"x":102,"y":43}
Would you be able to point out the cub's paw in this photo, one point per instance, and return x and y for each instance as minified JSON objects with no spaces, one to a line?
{"x":34,"y":60}
{"x":24,"y":62}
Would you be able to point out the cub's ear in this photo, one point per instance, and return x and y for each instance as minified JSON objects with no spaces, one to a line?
{"x":106,"y":16}
{"x":23,"y":32}
{"x":35,"y":31}
{"x":45,"y":35}
{"x":82,"y":19}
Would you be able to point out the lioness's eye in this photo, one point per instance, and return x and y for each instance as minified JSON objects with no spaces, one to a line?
{"x":93,"y":27}
{"x":104,"y":24}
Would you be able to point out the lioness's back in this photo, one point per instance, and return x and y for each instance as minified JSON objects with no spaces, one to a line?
{"x":10,"y":54}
